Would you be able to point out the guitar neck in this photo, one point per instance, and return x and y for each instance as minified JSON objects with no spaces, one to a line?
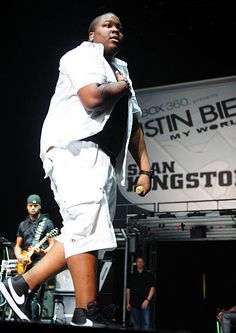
{"x":43,"y":240}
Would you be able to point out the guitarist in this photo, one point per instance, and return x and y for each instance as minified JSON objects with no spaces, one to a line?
{"x":30,"y":231}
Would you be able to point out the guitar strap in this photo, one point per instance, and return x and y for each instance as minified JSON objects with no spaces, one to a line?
{"x":38,"y":232}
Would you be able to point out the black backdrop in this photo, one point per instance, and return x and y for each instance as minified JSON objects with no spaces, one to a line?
{"x":184,"y":269}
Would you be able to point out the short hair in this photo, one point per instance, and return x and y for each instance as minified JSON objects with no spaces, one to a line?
{"x":139,"y":257}
{"x":97,"y":19}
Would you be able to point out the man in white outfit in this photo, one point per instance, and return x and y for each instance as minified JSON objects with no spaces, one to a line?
{"x":91,"y":123}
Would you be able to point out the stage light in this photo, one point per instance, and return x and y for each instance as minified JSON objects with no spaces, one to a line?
{"x":197,"y":213}
{"x":166,"y":215}
{"x":228,"y":212}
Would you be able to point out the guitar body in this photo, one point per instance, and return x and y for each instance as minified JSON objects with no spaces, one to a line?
{"x":21,"y":265}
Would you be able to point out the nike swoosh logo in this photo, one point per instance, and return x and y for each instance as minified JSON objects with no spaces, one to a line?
{"x":18,"y":299}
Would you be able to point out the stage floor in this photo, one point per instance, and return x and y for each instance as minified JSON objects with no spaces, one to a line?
{"x":46,"y":327}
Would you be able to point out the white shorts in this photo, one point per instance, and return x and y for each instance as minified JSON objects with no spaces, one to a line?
{"x":84,"y":186}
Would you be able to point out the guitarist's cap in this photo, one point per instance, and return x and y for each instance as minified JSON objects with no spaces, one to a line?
{"x":34,"y":198}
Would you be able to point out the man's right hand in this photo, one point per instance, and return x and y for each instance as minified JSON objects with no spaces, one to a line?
{"x":128,"y":307}
{"x":24,"y":260}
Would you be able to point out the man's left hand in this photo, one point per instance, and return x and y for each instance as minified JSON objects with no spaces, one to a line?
{"x":145,"y":304}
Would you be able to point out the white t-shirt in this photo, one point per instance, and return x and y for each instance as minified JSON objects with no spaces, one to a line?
{"x":67,"y":120}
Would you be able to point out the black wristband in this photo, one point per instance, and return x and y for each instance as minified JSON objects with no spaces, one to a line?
{"x":147,"y":173}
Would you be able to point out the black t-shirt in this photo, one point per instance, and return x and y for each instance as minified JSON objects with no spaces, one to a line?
{"x":111,"y":138}
{"x":139,"y":285}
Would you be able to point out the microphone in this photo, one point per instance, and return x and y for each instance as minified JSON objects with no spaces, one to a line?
{"x":139,"y":189}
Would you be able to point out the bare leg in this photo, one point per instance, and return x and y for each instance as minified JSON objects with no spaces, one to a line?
{"x":83,"y":269}
{"x":52,"y":263}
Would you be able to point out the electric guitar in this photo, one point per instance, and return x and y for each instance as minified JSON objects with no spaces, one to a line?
{"x":23,"y":263}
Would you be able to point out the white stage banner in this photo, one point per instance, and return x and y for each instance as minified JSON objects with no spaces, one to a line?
{"x":190,"y":135}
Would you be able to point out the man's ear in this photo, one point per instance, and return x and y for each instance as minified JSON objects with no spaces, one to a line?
{"x":91,"y":36}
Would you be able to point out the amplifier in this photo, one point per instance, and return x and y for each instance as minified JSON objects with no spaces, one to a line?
{"x":48,"y":305}
{"x":64,"y":282}
{"x":57,"y":308}
{"x":64,"y":305}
